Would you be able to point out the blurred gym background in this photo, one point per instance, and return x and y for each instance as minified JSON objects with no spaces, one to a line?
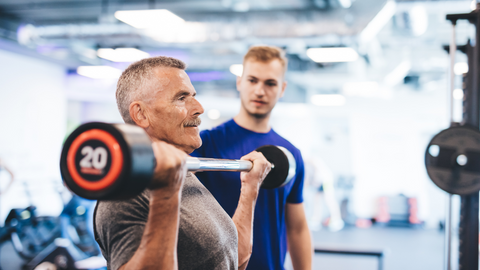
{"x":362,"y":114}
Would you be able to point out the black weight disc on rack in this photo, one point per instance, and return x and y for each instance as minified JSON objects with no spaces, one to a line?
{"x":452,"y":160}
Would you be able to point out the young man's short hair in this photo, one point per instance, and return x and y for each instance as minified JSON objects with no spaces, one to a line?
{"x":266,"y":54}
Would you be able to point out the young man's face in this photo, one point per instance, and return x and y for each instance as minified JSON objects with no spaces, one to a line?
{"x":260,"y":86}
{"x":174,"y":111}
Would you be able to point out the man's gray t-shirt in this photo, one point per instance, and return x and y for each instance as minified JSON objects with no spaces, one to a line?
{"x":207,"y":238}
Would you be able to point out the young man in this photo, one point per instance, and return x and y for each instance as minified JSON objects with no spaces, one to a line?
{"x":279,"y":215}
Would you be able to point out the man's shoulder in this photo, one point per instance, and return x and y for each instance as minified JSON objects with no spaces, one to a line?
{"x":281,"y":141}
{"x":218,"y":129}
{"x":108,"y":210}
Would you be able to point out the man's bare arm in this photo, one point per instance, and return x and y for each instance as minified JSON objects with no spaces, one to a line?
{"x":243,"y":217}
{"x":158,"y":247}
{"x":298,"y":235}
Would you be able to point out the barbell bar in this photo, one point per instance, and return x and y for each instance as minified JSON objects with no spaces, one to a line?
{"x":116,"y":161}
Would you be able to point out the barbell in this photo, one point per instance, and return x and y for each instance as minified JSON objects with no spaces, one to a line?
{"x":116,"y":161}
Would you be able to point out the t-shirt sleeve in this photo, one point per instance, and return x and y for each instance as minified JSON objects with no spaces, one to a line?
{"x":296,"y":194}
{"x":119,"y":227}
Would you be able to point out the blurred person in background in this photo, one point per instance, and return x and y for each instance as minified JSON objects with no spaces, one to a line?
{"x":321,"y":180}
{"x":279,"y":213}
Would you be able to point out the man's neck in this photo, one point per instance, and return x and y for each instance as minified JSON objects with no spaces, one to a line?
{"x":250,"y":122}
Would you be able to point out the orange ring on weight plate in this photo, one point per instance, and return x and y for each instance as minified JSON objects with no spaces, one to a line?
{"x":116,"y":154}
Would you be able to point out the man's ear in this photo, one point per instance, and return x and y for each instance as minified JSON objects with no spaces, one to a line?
{"x":284,"y":86}
{"x":138,"y":113}
{"x":239,"y":80}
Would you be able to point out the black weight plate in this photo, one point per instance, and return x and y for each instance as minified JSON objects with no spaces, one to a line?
{"x":279,"y":175}
{"x":452,"y":160}
{"x":142,"y":160}
{"x":137,"y":166}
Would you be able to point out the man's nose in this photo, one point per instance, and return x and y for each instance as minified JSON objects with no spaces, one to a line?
{"x":259,"y":90}
{"x":197,"y":108}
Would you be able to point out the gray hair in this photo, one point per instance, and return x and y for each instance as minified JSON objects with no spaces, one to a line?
{"x":136,"y":78}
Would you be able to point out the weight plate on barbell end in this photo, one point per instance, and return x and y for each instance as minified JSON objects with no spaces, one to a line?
{"x":284,"y":166}
{"x":452,"y":160}
{"x":107,"y":161}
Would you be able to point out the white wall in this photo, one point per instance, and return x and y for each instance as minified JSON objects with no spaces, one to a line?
{"x":32,"y":129}
{"x":389,"y":139}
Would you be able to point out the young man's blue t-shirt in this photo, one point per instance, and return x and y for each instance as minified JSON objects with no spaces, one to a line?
{"x":230,"y":141}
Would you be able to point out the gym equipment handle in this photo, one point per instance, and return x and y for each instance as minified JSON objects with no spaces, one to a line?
{"x":214,"y":164}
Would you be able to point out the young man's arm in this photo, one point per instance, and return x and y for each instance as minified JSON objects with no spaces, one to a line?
{"x":298,"y":235}
{"x":243,"y":217}
{"x":158,"y":246}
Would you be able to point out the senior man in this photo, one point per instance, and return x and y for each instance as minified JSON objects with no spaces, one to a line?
{"x":176,"y":223}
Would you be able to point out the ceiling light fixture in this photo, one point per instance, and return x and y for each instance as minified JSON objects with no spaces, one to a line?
{"x":149,"y":18}
{"x":182,"y":33}
{"x":378,"y":22}
{"x":237,"y":70}
{"x":122,"y":54}
{"x":324,"y":55}
{"x":99,"y":72}
{"x":328,"y":100}
{"x":419,"y":20}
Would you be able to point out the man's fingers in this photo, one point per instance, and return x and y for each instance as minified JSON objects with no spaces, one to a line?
{"x":253,"y":156}
{"x":258,"y":160}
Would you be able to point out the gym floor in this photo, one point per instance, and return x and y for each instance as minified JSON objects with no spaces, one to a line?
{"x":412,"y":249}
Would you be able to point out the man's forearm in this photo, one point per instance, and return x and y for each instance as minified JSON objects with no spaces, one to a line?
{"x":158,"y":247}
{"x":243,"y":219}
{"x":300,"y":248}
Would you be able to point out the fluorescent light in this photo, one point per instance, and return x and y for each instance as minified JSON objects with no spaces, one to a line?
{"x":237,"y":70}
{"x":473,"y":5}
{"x":460,"y":68}
{"x":122,"y":54}
{"x":328,"y":100}
{"x":99,"y":72}
{"x":150,"y":18}
{"x":419,"y":20}
{"x":214,"y":114}
{"x":458,"y":93}
{"x":360,"y":88}
{"x":182,"y":33}
{"x":378,"y":22}
{"x":323,"y":55}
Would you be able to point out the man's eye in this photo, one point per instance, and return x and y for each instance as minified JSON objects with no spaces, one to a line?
{"x":252,"y":81}
{"x":271,"y":84}
{"x":182,"y":98}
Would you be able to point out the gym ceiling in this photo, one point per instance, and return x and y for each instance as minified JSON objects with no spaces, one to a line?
{"x":220,"y":31}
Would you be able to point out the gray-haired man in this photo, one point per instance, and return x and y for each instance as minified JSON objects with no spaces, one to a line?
{"x":176,"y":223}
